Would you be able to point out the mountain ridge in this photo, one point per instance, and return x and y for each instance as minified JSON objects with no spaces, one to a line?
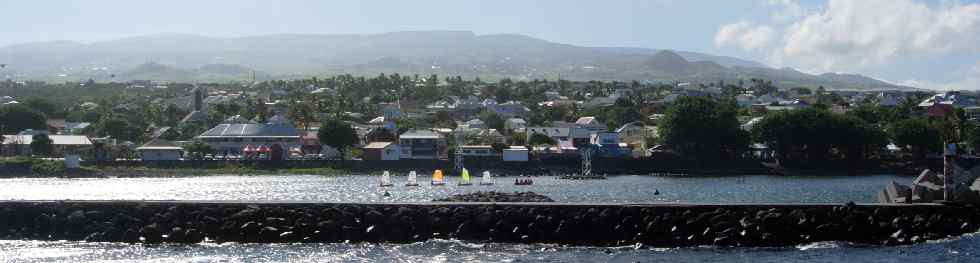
{"x":408,"y":52}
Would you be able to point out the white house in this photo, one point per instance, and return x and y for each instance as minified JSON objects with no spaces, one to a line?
{"x":160,"y":150}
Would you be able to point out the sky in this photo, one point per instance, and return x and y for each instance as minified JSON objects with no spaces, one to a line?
{"x":927,"y":44}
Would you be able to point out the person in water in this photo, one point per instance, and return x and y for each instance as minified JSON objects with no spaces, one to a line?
{"x":387,"y":194}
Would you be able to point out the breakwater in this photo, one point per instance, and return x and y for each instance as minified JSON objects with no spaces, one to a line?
{"x":668,"y":225}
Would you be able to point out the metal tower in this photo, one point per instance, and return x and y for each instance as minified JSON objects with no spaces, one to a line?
{"x":459,"y":150}
{"x":587,"y":153}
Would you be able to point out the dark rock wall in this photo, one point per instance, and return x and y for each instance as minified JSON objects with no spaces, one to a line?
{"x":573,"y":224}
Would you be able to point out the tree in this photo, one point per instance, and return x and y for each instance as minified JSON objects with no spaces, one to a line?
{"x":16,"y":118}
{"x":697,"y":127}
{"x":117,"y":128}
{"x":498,"y":147}
{"x":492,"y":120}
{"x":337,"y":134}
{"x":540,"y":139}
{"x":916,"y":135}
{"x":42,"y":105}
{"x":811,"y":134}
{"x":41,"y":145}
{"x":622,"y":112}
{"x":197,"y":149}
{"x":518,"y":139}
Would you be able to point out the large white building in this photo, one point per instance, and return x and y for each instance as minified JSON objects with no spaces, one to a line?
{"x":231,"y":136}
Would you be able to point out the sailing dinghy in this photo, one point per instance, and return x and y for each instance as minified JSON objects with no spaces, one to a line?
{"x":487,"y":178}
{"x":465,"y":178}
{"x":437,"y":178}
{"x":386,"y":179}
{"x":412,"y":179}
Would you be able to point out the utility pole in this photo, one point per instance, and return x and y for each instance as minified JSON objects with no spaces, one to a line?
{"x":948,"y":158}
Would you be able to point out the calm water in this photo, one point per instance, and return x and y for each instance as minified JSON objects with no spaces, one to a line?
{"x":363,"y":189}
{"x":833,"y":189}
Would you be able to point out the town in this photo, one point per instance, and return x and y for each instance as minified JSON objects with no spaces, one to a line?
{"x":395,"y":117}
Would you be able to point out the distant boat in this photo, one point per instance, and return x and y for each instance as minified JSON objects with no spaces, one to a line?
{"x":487,"y":178}
{"x":465,"y":178}
{"x":386,"y":179}
{"x":412,"y":179}
{"x":437,"y":178}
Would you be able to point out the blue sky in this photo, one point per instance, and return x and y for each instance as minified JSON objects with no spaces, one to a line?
{"x":930,"y":44}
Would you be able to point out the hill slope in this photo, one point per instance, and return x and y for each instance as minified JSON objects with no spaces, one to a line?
{"x":413,"y":52}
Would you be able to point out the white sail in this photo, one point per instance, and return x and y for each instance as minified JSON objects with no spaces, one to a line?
{"x":412,"y":179}
{"x":487,"y":178}
{"x":386,"y":179}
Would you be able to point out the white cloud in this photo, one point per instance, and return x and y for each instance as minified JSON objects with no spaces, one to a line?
{"x":744,"y":36}
{"x":786,"y":10}
{"x":851,"y":35}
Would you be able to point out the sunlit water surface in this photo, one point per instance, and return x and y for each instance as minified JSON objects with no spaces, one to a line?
{"x":364,"y":188}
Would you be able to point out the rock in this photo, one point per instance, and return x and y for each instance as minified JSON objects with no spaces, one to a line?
{"x":268,"y":234}
{"x":150,"y":234}
{"x":77,"y":217}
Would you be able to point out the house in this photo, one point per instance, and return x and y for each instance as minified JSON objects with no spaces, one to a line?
{"x":381,"y":151}
{"x":515,"y":125}
{"x":76,"y":128}
{"x":233,"y":135}
{"x":490,"y":136}
{"x":20,"y":144}
{"x":887,"y":100}
{"x":590,"y":123}
{"x":972,"y":113}
{"x":744,"y":100}
{"x":939,"y":110}
{"x":635,"y":134}
{"x":422,"y":144}
{"x":160,"y":150}
{"x":952,"y":98}
{"x":508,"y":109}
{"x":390,"y":111}
{"x":473,"y":124}
{"x":478,"y":151}
{"x":310,"y":144}
{"x":609,"y":144}
{"x":555,"y":133}
{"x":515,"y":154}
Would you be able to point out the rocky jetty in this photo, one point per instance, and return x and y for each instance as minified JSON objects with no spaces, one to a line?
{"x":667,"y":225}
{"x":496,"y":197}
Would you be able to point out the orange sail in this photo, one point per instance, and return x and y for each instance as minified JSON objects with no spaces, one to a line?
{"x":437,"y":178}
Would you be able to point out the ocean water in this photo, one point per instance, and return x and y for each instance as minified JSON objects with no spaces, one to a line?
{"x":621,"y":189}
{"x":960,"y":249}
{"x":364,"y":188}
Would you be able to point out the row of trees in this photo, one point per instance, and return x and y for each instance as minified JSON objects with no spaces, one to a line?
{"x":705,"y":129}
